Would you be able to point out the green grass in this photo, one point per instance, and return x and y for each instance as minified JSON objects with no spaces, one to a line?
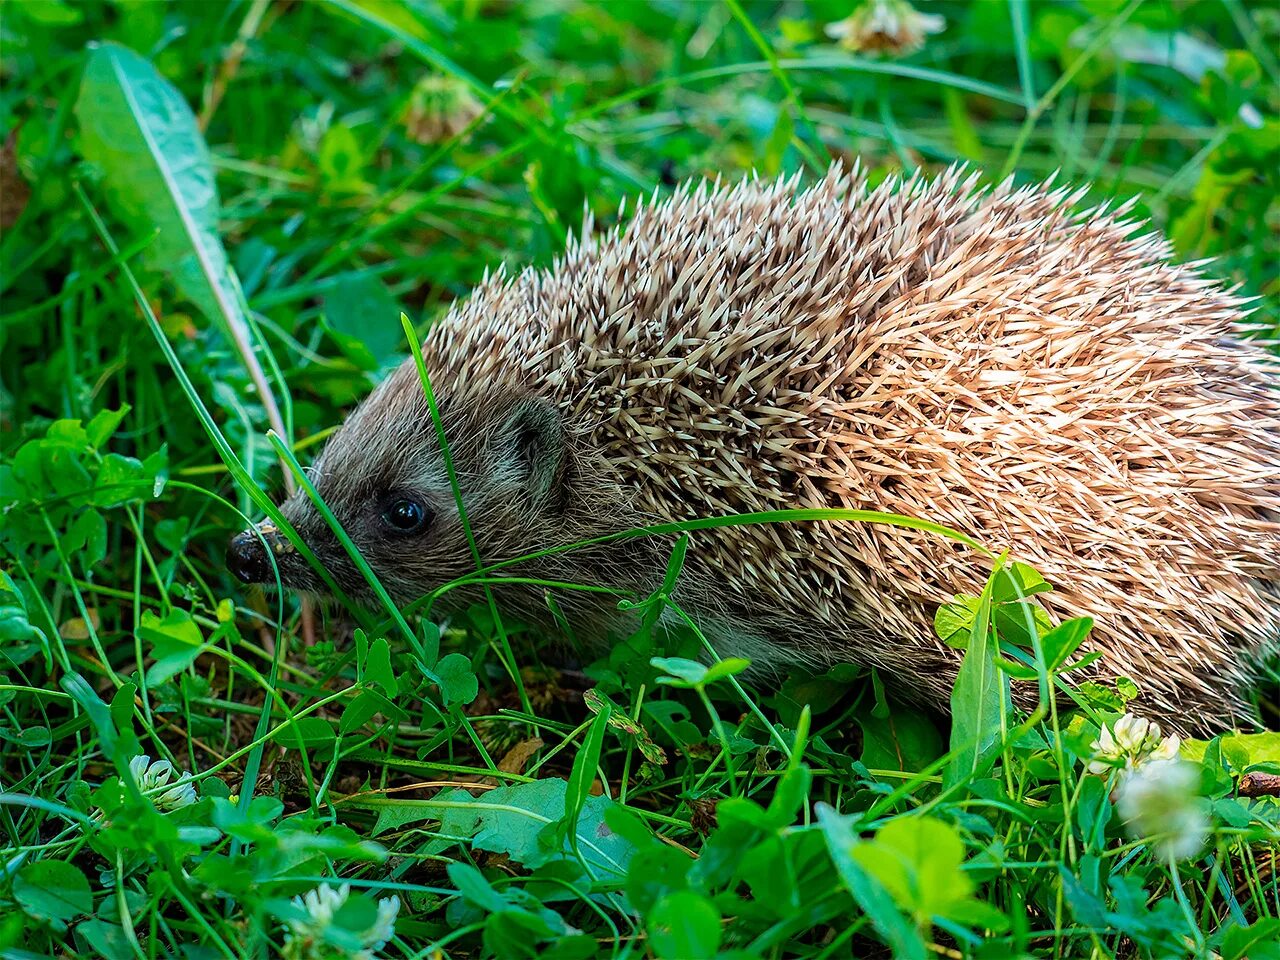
{"x":373,"y":158}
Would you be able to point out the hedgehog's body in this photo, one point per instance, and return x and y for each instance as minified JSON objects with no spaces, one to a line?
{"x":997,"y":363}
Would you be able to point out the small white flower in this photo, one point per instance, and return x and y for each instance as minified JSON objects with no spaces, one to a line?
{"x":384,"y":927}
{"x":1130,"y":742}
{"x":440,"y":107}
{"x":1157,"y":800}
{"x":305,"y":934}
{"x":1167,"y":749}
{"x":320,"y":905}
{"x":153,"y":776}
{"x":1131,"y":733}
{"x":885,"y":26}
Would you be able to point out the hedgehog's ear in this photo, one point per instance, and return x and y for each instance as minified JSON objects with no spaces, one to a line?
{"x":532,"y":445}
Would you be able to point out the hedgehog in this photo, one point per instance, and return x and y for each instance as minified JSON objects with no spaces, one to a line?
{"x":1000,"y":360}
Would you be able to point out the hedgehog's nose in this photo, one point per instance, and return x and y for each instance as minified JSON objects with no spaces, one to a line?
{"x":247,"y":558}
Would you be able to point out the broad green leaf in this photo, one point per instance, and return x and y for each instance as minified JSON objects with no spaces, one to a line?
{"x":843,"y":843}
{"x":683,"y":673}
{"x":308,"y":732}
{"x":458,"y":683}
{"x":979,"y":701}
{"x":684,"y":925}
{"x":87,"y":538}
{"x":583,"y":774}
{"x":1087,"y":907}
{"x":1017,"y":581}
{"x":68,"y":433}
{"x":34,"y":737}
{"x":104,"y":423}
{"x":52,"y":890}
{"x":157,"y":173}
{"x":919,"y":861}
{"x":905,"y":740}
{"x":1243,"y":749}
{"x":472,"y":885}
{"x":20,"y":639}
{"x":1101,"y":697}
{"x":1257,"y":941}
{"x":654,"y":872}
{"x":515,"y":933}
{"x":727,"y":667}
{"x":363,"y":318}
{"x":429,"y":645}
{"x":108,"y":940}
{"x":175,"y":639}
{"x":953,"y":621}
{"x":359,"y":711}
{"x":121,"y":479}
{"x":261,"y":813}
{"x":1013,"y":622}
{"x":377,"y":667}
{"x":512,"y":820}
{"x":1063,"y":640}
{"x":1093,"y":813}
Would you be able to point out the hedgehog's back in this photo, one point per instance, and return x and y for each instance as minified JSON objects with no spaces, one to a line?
{"x":997,"y":362}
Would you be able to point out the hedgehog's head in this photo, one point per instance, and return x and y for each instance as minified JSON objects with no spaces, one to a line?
{"x":385,"y":478}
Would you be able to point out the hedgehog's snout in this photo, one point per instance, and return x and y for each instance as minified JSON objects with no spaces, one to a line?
{"x":247,"y":555}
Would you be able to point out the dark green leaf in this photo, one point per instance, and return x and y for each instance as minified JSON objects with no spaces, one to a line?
{"x":377,"y":668}
{"x":583,"y":774}
{"x":52,"y":890}
{"x":458,"y":683}
{"x":176,"y":640}
{"x":979,"y":702}
{"x":905,"y":740}
{"x":683,"y":673}
{"x":363,"y":318}
{"x":1063,"y":640}
{"x":1257,"y":941}
{"x":157,"y":172}
{"x":684,"y":925}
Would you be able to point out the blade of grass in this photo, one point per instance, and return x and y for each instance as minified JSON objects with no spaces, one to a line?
{"x":820,"y":63}
{"x":1021,"y":47}
{"x":793,"y":95}
{"x":220,"y":444}
{"x":171,"y":187}
{"x":1100,"y":40}
{"x":415,"y":349}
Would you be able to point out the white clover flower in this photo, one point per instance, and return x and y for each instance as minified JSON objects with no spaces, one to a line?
{"x":152,"y":776}
{"x":384,"y":927}
{"x":1130,"y":742}
{"x":320,"y":905}
{"x":307,"y":933}
{"x":1157,"y":800}
{"x":439,"y":107}
{"x":1131,"y":732}
{"x":1167,"y":749}
{"x":885,"y":26}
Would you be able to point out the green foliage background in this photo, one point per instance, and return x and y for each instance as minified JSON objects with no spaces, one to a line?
{"x":371,"y":157}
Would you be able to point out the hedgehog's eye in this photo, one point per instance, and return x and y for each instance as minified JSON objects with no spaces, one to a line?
{"x":406,"y":515}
